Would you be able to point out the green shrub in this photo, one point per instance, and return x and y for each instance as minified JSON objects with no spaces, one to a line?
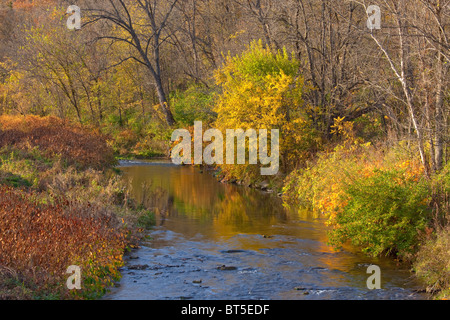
{"x":146,"y":220}
{"x":319,"y":186}
{"x":384,"y":213}
{"x":194,"y":104}
{"x":441,"y":196}
{"x":13,"y":180}
{"x":432,"y":263}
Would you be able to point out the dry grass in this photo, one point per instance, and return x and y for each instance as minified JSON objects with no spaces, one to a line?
{"x":55,"y":136}
{"x":433,"y":263}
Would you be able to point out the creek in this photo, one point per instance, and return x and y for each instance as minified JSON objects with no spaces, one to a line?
{"x":227,"y":242}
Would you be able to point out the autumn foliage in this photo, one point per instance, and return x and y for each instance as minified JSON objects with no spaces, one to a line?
{"x":263,"y":89}
{"x":55,"y":136}
{"x":377,"y":200}
{"x":60,"y":205}
{"x":39,"y":242}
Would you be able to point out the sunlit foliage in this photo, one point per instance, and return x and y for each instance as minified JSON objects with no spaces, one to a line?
{"x":263,"y":89}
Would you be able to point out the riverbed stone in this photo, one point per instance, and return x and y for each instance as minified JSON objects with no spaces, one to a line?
{"x":138,"y":267}
{"x":227,"y":268}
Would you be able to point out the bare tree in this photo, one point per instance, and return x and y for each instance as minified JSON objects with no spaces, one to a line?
{"x":414,"y":43}
{"x":436,"y":34}
{"x":263,"y":12}
{"x":323,"y":37}
{"x":142,"y":25}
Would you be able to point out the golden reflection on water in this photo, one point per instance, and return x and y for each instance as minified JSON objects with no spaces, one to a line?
{"x":216,"y":210}
{"x":195,"y":204}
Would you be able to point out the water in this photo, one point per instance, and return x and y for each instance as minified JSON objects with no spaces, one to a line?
{"x":220,"y":241}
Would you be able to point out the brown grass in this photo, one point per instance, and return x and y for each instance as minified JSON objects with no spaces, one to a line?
{"x":433,"y":263}
{"x":55,"y":136}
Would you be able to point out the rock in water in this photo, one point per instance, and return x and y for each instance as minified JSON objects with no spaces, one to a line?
{"x":224,"y":267}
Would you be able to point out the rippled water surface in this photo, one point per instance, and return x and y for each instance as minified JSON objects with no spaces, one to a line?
{"x":219,"y":241}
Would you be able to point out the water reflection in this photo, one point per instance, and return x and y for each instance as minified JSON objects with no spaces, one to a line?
{"x":190,"y":203}
{"x":208,"y":223}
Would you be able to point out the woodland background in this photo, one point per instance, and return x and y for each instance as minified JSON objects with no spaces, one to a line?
{"x":363,"y":114}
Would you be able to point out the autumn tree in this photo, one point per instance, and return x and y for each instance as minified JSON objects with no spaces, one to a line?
{"x":143,"y":26}
{"x":262,"y":89}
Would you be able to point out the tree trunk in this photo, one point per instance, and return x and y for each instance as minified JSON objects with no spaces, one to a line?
{"x":405,"y":79}
{"x":163,"y":101}
{"x":438,"y":144}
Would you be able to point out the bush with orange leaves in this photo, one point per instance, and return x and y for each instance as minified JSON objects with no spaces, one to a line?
{"x":54,"y":136}
{"x":39,"y":242}
{"x":67,"y":212}
{"x":320,"y":185}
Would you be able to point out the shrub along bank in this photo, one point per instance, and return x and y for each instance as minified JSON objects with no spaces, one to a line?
{"x":378,"y":199}
{"x":61,"y":203}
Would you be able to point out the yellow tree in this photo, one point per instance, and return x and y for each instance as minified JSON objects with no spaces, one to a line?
{"x":262,"y":89}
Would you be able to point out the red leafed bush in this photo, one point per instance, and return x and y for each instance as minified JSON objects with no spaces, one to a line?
{"x":54,"y":136}
{"x":40,"y":242}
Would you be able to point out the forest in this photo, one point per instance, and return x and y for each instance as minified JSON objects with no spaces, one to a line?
{"x":361,"y":102}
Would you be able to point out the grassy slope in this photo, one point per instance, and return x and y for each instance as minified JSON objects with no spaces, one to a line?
{"x":61,"y":204}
